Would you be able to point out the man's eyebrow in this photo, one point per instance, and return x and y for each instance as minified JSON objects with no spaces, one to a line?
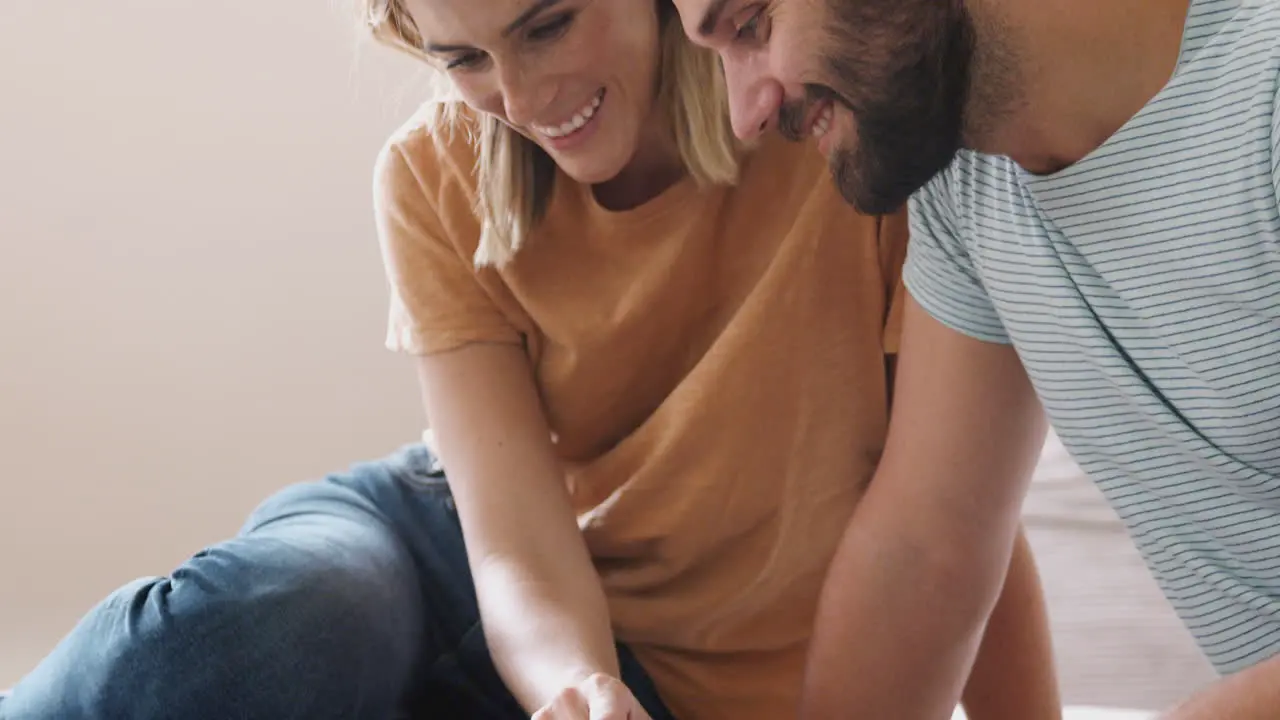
{"x":520,"y":21}
{"x":711,"y":18}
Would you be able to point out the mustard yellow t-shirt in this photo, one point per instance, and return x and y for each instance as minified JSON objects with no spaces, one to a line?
{"x":712,"y":364}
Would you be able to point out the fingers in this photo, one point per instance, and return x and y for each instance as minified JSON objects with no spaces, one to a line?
{"x":607,"y":698}
{"x":570,"y":704}
{"x":599,"y":697}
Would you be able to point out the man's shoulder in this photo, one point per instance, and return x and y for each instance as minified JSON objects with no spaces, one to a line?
{"x":1232,"y":43}
{"x":972,"y":186}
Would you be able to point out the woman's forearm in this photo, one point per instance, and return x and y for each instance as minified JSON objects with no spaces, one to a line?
{"x":546,"y":624}
{"x":541,"y":602}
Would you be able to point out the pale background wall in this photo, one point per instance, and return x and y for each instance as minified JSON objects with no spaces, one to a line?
{"x":191,"y":297}
{"x":192,"y":306}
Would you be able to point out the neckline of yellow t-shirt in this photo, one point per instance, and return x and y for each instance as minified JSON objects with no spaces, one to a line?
{"x":569,"y":193}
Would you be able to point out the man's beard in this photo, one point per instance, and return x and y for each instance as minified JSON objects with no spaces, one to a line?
{"x":902,"y":67}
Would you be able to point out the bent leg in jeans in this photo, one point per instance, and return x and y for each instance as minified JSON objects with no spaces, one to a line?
{"x":344,"y":598}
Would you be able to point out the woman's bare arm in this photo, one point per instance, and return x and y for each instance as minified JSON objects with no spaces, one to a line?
{"x":541,"y":602}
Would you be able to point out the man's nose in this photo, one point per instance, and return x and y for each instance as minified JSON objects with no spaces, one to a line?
{"x":754,"y":99}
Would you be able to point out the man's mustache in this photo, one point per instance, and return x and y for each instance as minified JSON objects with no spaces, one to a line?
{"x":792,"y":114}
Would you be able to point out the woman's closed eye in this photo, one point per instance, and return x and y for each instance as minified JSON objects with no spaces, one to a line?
{"x":551,"y":29}
{"x":546,"y":31}
{"x":466,"y":61}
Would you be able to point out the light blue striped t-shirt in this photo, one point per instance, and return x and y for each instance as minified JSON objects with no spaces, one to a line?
{"x":1141,"y":288}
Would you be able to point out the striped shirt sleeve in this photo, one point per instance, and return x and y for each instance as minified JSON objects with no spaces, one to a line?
{"x":939,"y":272}
{"x":1275,"y":142}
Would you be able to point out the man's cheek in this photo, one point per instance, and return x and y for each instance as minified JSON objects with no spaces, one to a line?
{"x":790,"y":63}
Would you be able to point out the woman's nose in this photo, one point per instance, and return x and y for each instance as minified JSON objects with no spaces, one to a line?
{"x":524,"y":95}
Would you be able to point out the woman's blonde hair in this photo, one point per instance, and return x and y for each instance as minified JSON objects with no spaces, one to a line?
{"x":515,"y":177}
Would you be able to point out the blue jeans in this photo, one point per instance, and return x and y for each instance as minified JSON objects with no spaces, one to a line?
{"x":345,"y":598}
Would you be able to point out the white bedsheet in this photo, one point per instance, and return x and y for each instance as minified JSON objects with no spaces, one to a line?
{"x":1091,"y":713}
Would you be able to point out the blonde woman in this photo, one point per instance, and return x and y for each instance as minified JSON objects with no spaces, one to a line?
{"x":657,"y":369}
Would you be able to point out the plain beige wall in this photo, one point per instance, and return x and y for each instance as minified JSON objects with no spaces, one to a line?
{"x":191,"y":296}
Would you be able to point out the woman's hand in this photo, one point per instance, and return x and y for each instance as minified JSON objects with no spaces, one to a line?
{"x":599,"y":697}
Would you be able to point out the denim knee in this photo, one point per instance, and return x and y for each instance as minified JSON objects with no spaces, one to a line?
{"x":260,"y":627}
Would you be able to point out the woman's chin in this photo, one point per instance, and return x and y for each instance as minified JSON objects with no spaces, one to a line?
{"x":585,"y":172}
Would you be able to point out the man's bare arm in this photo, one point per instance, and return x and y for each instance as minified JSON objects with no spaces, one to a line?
{"x":1253,"y":694}
{"x":1014,"y":676}
{"x":925,"y":557}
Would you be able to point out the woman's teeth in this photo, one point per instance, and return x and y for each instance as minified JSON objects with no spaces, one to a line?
{"x":575,"y":123}
{"x":822,"y":125}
